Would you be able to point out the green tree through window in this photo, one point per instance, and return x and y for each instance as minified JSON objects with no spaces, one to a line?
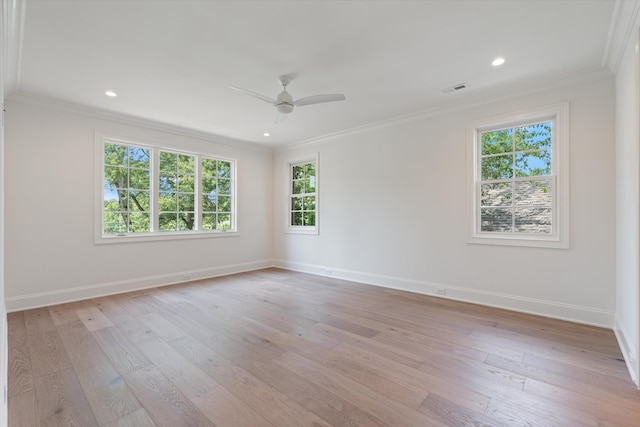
{"x":183,"y":193}
{"x":127,"y":173}
{"x":516,"y":182}
{"x":303,"y":195}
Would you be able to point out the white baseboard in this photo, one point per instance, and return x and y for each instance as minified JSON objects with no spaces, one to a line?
{"x":630,"y":356}
{"x":43,"y":299}
{"x":573,"y":313}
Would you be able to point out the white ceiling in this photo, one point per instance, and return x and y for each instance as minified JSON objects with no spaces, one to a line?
{"x":172,"y":61}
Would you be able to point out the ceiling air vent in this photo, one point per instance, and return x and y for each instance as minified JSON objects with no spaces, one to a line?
{"x":454,"y":88}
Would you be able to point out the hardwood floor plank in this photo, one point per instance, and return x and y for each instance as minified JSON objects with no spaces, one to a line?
{"x":122,"y":353}
{"x":20,"y":373}
{"x":61,"y":401}
{"x":417,"y":343}
{"x":38,"y":321}
{"x":164,"y":403}
{"x":485,"y":378}
{"x":313,"y":398}
{"x":396,"y":321}
{"x":288,"y":349}
{"x":371,"y":401}
{"x":134,"y":330}
{"x":47,"y":353}
{"x":93,"y":318}
{"x":390,"y":352}
{"x":604,"y":410}
{"x":188,"y":378}
{"x":306,"y":334}
{"x":63,"y":313}
{"x":20,"y":377}
{"x":456,"y":391}
{"x":452,"y":414}
{"x":537,"y":412}
{"x":389,"y":324}
{"x":264,"y":399}
{"x":139,"y":418}
{"x":116,"y":307}
{"x":161,"y":327}
{"x":405,"y":393}
{"x":336,"y":322}
{"x":578,"y":373}
{"x":558,"y":351}
{"x":23,"y":409}
{"x":553,"y":377}
{"x":202,"y":321}
{"x":224,"y":409}
{"x":106,"y":391}
{"x":16,"y":328}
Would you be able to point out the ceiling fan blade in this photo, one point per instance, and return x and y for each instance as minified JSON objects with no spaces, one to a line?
{"x":255,"y":95}
{"x":318,"y":99}
{"x":280,"y":117}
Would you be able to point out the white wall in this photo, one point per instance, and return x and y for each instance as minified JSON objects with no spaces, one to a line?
{"x":392,"y":211}
{"x":4,"y":358}
{"x":50,"y":212}
{"x":628,"y":205}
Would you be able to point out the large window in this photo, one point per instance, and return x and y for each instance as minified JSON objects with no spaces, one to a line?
{"x":148,"y":191}
{"x":519,"y":186}
{"x":303,"y":196}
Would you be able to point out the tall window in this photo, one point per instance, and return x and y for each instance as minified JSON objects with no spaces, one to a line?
{"x":216,"y":195}
{"x":127,"y":200}
{"x":519,"y":189}
{"x":151,"y":191}
{"x":303,"y":187}
{"x":177,"y":190}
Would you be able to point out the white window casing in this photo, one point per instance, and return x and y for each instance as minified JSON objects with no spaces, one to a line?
{"x":550,"y":229}
{"x":302,"y":195}
{"x":211,"y":219}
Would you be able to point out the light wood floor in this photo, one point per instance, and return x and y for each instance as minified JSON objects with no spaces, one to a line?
{"x":277,"y":348}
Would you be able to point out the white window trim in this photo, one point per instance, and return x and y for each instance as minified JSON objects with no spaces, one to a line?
{"x":315,"y":230}
{"x":101,"y":238}
{"x":560,"y":175}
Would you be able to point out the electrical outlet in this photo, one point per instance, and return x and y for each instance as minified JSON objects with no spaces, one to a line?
{"x":328,"y":271}
{"x":186,"y":277}
{"x":441,"y":291}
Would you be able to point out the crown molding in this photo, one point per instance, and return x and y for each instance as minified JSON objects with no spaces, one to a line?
{"x":484,"y":96}
{"x":57,"y":104}
{"x":13,"y":15}
{"x":625,"y":18}
{"x":481,"y":97}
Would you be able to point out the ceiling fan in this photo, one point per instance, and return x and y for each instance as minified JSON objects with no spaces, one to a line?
{"x":285,"y":104}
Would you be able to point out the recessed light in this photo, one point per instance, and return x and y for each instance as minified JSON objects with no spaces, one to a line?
{"x":111,"y":93}
{"x":266,"y":134}
{"x":497,"y":62}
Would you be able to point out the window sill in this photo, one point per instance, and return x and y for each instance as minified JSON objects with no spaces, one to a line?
{"x":523,"y":241}
{"x":154,"y":237}
{"x":311,"y":231}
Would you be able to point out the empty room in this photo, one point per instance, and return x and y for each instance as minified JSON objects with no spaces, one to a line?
{"x":320,"y":213}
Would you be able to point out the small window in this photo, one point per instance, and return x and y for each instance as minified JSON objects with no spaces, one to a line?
{"x":519,"y":189}
{"x":303,"y":196}
{"x":149,"y":191}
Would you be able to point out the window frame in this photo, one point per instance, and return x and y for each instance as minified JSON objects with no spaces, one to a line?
{"x":154,"y":152}
{"x":559,"y":237}
{"x":297,"y":229}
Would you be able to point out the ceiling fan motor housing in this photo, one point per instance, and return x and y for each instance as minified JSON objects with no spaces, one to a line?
{"x":284,"y":103}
